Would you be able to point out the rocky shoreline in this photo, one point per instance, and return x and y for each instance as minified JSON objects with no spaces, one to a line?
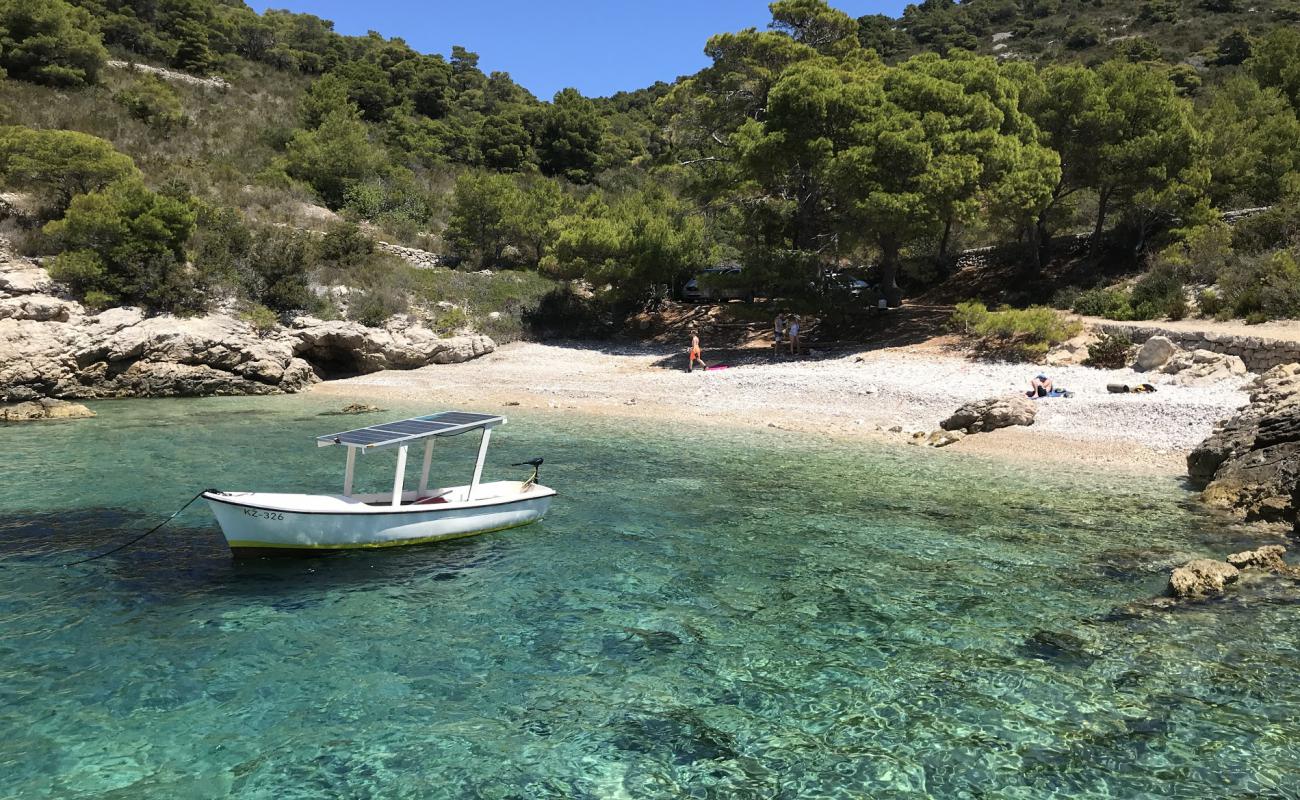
{"x":53,"y":347}
{"x":1250,"y":464}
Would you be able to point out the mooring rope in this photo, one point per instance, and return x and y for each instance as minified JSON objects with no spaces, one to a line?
{"x":125,"y":545}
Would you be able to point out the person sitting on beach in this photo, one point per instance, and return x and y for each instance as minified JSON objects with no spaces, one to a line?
{"x":693,"y":354}
{"x":1040,"y":386}
{"x":793,"y":335}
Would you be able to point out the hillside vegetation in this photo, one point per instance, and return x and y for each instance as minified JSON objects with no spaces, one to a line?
{"x":821,"y":144}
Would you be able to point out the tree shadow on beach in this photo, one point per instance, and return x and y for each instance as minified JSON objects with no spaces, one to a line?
{"x":829,"y":337}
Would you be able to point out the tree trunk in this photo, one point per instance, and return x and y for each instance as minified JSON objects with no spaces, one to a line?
{"x":889,"y":272}
{"x":1102,"y":201}
{"x":945,"y":240}
{"x":1033,"y":233}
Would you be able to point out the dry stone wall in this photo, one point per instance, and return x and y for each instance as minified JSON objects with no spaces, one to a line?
{"x":1258,"y":353}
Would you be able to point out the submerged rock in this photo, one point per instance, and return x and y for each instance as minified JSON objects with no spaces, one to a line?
{"x":991,"y":414}
{"x":43,"y":409}
{"x":1201,"y":577}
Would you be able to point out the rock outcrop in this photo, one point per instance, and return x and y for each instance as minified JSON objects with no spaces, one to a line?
{"x":1203,"y":367}
{"x":991,"y":414}
{"x":1201,"y":577}
{"x":1250,"y":464}
{"x":43,"y":409}
{"x":54,"y":347}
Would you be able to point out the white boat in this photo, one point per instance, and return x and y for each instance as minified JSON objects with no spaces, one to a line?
{"x":266,"y":523}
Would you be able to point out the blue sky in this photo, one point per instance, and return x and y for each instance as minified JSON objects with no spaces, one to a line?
{"x":599,"y":47}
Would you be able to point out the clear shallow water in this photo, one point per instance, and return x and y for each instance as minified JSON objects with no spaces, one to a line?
{"x":704,"y":614}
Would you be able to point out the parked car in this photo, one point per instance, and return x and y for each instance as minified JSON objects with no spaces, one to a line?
{"x":719,"y":283}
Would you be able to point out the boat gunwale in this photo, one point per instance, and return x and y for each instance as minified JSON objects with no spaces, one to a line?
{"x":390,"y":510}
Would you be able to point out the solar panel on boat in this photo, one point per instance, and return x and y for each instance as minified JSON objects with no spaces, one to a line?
{"x":447,"y":423}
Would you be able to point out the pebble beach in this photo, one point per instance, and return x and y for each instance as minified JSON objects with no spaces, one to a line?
{"x":890,"y":393}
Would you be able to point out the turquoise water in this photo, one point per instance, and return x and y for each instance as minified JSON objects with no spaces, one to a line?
{"x":704,"y":614}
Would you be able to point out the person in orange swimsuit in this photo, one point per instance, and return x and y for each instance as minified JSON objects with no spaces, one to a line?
{"x":693,"y":354}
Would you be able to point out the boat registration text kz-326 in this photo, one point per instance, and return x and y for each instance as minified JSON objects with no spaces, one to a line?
{"x":249,"y":512}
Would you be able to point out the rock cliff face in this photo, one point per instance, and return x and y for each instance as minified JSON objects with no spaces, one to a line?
{"x":53,"y":347}
{"x":1251,"y":463}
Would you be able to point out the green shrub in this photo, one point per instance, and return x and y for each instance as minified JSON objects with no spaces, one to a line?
{"x":968,"y":316}
{"x":1267,"y":286}
{"x":1159,"y":292}
{"x":128,"y":242}
{"x":1257,"y":318}
{"x":50,"y":41}
{"x":154,"y":103}
{"x":1014,"y":333}
{"x":281,"y":259}
{"x":1065,"y":298}
{"x":1109,"y":352}
{"x":1108,"y":303}
{"x":346,"y":245}
{"x":1209,"y":302}
{"x":262,"y":319}
{"x":59,"y":165}
{"x":374,"y":306}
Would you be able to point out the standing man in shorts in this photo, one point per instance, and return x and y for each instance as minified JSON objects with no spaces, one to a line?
{"x":694,"y":354}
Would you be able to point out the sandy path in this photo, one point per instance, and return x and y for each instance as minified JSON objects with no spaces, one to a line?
{"x":857,"y":395}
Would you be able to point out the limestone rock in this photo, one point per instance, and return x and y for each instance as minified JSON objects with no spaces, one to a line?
{"x":51,"y":347}
{"x":43,"y":409}
{"x":1072,"y":351}
{"x":991,"y":414}
{"x":1155,"y":352}
{"x":40,"y":308}
{"x":1201,"y":577}
{"x":359,"y":408}
{"x":1203,"y":367}
{"x":945,"y":438}
{"x":1268,"y":558}
{"x":1250,"y":464}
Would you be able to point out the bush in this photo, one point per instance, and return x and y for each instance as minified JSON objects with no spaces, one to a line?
{"x":1264,"y":286}
{"x":128,"y":243}
{"x":262,"y":319}
{"x":1109,"y":352}
{"x":334,"y":156}
{"x":346,"y":245}
{"x":1108,"y":303}
{"x":373,"y":307}
{"x":1209,"y":302}
{"x":1065,"y":298}
{"x":1016,"y":334}
{"x":50,"y":41}
{"x":281,"y":259}
{"x":1159,"y":292}
{"x":154,"y":103}
{"x":59,"y":165}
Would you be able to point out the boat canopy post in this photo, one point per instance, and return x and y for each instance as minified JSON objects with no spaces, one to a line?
{"x":428,"y":459}
{"x":478,"y":465}
{"x":400,"y":477}
{"x":348,"y":472}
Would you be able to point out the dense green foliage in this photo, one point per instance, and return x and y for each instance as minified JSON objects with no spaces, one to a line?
{"x":820,"y":143}
{"x":48,"y":41}
{"x":58,"y":165}
{"x":1019,"y":334}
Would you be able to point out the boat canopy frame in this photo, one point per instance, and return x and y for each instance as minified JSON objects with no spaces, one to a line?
{"x":402,"y":433}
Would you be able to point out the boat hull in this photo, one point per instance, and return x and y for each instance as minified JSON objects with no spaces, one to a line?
{"x":254,"y":530}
